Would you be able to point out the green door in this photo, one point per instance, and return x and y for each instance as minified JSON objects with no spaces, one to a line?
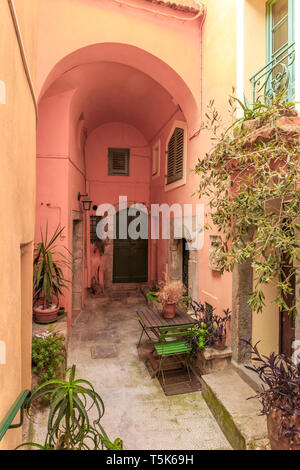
{"x":130,"y":262}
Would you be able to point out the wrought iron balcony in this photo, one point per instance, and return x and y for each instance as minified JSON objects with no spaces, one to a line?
{"x":276,"y":76}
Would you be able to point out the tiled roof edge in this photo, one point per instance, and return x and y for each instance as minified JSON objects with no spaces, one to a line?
{"x":176,"y":6}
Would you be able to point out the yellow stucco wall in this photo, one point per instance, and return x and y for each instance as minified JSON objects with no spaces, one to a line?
{"x":17,"y":201}
{"x":255,"y":41}
{"x":265,"y":325}
{"x":219,"y":53}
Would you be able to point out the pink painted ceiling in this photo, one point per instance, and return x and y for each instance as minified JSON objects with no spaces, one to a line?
{"x":113,"y":92}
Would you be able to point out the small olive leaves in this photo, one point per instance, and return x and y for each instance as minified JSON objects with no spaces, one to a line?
{"x":251,"y":181}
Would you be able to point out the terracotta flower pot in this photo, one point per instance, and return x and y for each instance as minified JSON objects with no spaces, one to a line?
{"x":220,"y":344}
{"x":169,"y":310}
{"x":44,"y":316}
{"x":274,"y":422}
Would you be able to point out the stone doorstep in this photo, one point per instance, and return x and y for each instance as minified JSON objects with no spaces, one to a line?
{"x":211,"y":353}
{"x":226,"y":394}
{"x":212,"y":360}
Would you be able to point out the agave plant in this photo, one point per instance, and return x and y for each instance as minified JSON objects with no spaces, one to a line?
{"x":69,"y":424}
{"x":48,"y":277}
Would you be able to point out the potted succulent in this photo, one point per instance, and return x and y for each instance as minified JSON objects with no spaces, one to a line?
{"x":280,"y":398}
{"x":48,"y":278}
{"x":76,"y":410}
{"x":169,"y":296}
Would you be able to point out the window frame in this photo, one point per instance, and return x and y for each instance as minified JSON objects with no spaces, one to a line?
{"x":155,"y":147}
{"x":111,"y":171}
{"x":182,"y":181}
{"x":269,"y":28}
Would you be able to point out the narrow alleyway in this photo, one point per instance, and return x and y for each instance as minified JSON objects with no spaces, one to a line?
{"x":103,"y":347}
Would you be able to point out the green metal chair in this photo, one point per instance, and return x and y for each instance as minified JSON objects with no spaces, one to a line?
{"x":175,"y":342}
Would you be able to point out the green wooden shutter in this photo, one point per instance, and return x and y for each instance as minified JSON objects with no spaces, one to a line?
{"x":175,"y":156}
{"x":118,"y":161}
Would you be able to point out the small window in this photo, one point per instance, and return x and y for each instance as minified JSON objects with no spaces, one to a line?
{"x":175,"y":156}
{"x":118,"y":162}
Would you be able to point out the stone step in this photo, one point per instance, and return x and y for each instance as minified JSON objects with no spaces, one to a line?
{"x":226,"y":394}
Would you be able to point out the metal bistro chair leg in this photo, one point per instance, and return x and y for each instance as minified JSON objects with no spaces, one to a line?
{"x":139,"y":343}
{"x":161,"y":371}
{"x":143,"y":331}
{"x":188,"y":369}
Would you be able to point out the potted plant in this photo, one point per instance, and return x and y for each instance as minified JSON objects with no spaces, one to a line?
{"x":74,"y":416}
{"x":216,"y":324}
{"x":220,"y":331}
{"x":169,"y":296}
{"x":48,"y":278}
{"x":280,"y":398}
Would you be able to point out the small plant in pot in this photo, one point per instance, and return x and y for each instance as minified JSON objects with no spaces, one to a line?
{"x":220,"y":331}
{"x":169,"y":296}
{"x":215,"y":324}
{"x":48,"y":278}
{"x":280,"y":398}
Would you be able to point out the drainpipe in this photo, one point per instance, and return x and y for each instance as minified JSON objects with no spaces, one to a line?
{"x":23,"y":53}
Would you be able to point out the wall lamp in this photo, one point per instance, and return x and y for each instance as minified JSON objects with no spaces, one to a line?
{"x":86,"y":201}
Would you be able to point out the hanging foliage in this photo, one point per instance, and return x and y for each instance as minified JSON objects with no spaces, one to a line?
{"x":251,"y":178}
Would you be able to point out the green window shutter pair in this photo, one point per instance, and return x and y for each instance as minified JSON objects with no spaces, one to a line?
{"x":175,"y":156}
{"x":118,"y":161}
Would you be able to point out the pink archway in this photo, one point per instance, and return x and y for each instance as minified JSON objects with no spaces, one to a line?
{"x":136,"y":58}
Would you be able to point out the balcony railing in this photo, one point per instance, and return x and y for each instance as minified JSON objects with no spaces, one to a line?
{"x":276,"y":76}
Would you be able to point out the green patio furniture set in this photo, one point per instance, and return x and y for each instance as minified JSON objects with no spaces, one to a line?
{"x":172,"y":342}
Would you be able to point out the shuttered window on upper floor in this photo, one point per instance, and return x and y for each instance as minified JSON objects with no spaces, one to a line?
{"x":175,"y":156}
{"x":118,"y":161}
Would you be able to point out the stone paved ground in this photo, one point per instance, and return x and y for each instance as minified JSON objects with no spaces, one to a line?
{"x":103,"y":347}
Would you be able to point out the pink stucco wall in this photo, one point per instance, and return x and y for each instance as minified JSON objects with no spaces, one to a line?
{"x":126,"y":76}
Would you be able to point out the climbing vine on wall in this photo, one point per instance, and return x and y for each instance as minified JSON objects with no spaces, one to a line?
{"x":251,"y":182}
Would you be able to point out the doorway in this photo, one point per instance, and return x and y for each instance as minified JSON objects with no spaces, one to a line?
{"x":287,"y":320}
{"x":130,"y":257}
{"x":185,"y":264}
{"x":77,"y":262}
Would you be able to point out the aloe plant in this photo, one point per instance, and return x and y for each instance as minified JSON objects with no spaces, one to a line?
{"x":48,"y":264}
{"x":69,"y":424}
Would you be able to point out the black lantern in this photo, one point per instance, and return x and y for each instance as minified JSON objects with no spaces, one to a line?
{"x":86,"y":201}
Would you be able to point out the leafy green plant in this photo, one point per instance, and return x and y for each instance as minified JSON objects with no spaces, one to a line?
{"x":250,"y":112}
{"x":243,"y":173}
{"x":48,"y":264}
{"x":200,"y":335}
{"x":48,"y":355}
{"x":69,"y":424}
{"x":152,"y":297}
